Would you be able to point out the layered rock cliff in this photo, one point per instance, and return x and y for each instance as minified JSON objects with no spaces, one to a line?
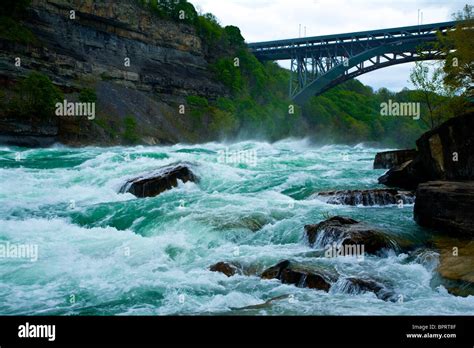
{"x":137,"y":63}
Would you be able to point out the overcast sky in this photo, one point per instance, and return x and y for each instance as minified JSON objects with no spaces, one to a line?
{"x":263,"y":20}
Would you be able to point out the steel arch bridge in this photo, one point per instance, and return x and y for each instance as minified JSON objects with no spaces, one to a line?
{"x":322,"y":62}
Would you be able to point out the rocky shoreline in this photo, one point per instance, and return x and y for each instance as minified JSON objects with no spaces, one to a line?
{"x":442,"y":172}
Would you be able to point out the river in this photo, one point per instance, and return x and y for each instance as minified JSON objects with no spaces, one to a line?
{"x":105,"y":253}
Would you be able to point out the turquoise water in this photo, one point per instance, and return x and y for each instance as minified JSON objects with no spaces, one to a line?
{"x":105,"y":253}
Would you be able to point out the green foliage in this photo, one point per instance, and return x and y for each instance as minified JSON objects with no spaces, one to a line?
{"x":350,"y":113}
{"x":431,"y":92}
{"x":458,"y":45}
{"x":10,"y":26}
{"x":257,"y":104}
{"x":35,"y":97}
{"x":12,"y":30}
{"x":197,"y":101}
{"x":209,"y":29}
{"x":180,"y":10}
{"x":227,"y":73}
{"x":233,"y":36}
{"x":87,"y":95}
{"x":130,"y":133}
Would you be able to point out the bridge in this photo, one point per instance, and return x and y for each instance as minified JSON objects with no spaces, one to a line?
{"x":323,"y":62}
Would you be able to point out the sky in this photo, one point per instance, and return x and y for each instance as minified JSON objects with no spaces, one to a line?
{"x":264,"y":20}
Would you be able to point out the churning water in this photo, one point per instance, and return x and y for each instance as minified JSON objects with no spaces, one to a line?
{"x":105,"y":253}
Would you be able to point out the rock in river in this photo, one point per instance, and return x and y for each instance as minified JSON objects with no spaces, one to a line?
{"x":357,"y":286}
{"x":289,"y":272}
{"x":345,"y":231}
{"x":446,"y":206}
{"x":367,"y":197}
{"x":390,"y":159}
{"x":164,"y":179}
{"x":226,"y":268}
{"x":444,"y":153}
{"x":405,"y":176}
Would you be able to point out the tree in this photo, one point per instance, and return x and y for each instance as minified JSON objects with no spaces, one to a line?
{"x":458,"y":45}
{"x":432,"y":92}
{"x":234,"y":36}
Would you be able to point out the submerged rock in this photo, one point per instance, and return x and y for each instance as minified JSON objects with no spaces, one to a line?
{"x":446,"y":206}
{"x":345,"y":231}
{"x":367,"y":197}
{"x":302,"y":276}
{"x":357,"y":286}
{"x":323,"y":278}
{"x":263,"y":305}
{"x":390,"y":159}
{"x":164,"y":179}
{"x":226,"y":268}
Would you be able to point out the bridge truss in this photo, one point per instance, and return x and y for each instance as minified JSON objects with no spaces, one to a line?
{"x":320,"y":63}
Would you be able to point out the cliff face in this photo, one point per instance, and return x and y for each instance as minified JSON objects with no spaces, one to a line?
{"x":167,"y":63}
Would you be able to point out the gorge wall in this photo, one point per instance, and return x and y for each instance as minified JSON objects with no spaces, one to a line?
{"x":168,"y":62}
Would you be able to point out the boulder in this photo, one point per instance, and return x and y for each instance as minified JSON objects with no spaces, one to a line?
{"x":367,"y":197}
{"x":446,"y":206}
{"x":226,"y":268}
{"x":345,"y":231}
{"x":446,"y":153}
{"x":405,"y":176}
{"x":164,"y":179}
{"x":312,"y":277}
{"x":390,"y":159}
{"x":456,"y":264}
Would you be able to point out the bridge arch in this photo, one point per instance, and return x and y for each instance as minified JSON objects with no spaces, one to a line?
{"x":322,"y":62}
{"x":368,"y":61}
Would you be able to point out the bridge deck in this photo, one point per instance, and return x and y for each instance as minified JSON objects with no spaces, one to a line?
{"x":285,"y":49}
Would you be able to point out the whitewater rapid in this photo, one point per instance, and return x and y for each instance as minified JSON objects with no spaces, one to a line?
{"x":105,"y":253}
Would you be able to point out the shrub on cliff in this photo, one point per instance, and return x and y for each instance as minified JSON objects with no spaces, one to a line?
{"x":130,"y":133}
{"x":35,"y":97}
{"x":87,"y":95}
{"x":10,"y":26}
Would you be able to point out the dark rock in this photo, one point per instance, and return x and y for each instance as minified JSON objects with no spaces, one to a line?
{"x":303,"y":276}
{"x":264,"y":305}
{"x":346,"y":231}
{"x":28,"y":134}
{"x":406,"y":176}
{"x":356,"y":286}
{"x":445,"y":153}
{"x":226,"y":268}
{"x":367,"y":197}
{"x":439,"y":148}
{"x":446,"y":206}
{"x":390,"y":159}
{"x":164,"y":179}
